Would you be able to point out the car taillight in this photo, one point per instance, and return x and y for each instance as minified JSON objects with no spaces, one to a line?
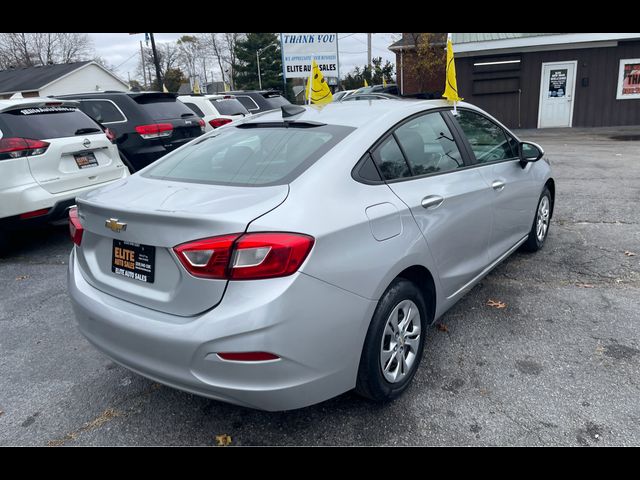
{"x":156,"y":130}
{"x":218,"y":122}
{"x":249,"y":256}
{"x":110,"y":135}
{"x":75,"y":227}
{"x":202,"y":124}
{"x":14,"y":147}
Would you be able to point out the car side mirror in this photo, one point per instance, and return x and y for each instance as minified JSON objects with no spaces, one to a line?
{"x":529,"y":152}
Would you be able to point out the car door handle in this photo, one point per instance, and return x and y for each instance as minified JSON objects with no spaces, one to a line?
{"x":432,"y":201}
{"x":497,"y":185}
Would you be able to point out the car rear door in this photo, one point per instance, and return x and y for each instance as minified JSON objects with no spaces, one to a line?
{"x":164,"y":108}
{"x":514,"y":189}
{"x":79,"y":153}
{"x":428,"y":169}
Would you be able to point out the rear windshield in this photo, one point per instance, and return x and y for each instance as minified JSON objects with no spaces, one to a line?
{"x":229,"y":107}
{"x":42,"y":123}
{"x":250,"y":156}
{"x":164,"y":108}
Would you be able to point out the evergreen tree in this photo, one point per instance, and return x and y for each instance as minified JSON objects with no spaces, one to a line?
{"x":246,"y":72}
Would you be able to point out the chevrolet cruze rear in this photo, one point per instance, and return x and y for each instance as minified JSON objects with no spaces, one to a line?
{"x":289,"y":258}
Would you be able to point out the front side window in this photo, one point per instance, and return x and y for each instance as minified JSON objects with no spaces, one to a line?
{"x":250,"y":155}
{"x":428,"y":145}
{"x":488,"y":141}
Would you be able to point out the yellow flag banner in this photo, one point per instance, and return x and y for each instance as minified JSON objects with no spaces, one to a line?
{"x":365,"y":83}
{"x":164,"y":88}
{"x":451,"y":86}
{"x":196,"y":87}
{"x":384,"y":82}
{"x":320,"y":92}
{"x":226,"y":87}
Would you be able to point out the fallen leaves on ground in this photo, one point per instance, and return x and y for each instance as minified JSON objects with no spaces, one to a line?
{"x":442,"y":327}
{"x":629,"y":254}
{"x":496,"y":304}
{"x":585,"y":285}
{"x":22,"y":277}
{"x":1,"y":412}
{"x":599,"y":350}
{"x":104,"y":417}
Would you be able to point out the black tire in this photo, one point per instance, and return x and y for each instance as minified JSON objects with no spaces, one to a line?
{"x":126,"y":162}
{"x":4,"y":243}
{"x":371,"y":382}
{"x":533,"y":243}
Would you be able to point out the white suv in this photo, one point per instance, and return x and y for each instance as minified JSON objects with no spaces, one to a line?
{"x":50,"y":152}
{"x":215,"y":110}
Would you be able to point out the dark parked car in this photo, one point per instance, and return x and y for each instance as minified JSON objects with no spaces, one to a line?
{"x":146,"y":124}
{"x":260,"y":100}
{"x":369,"y":96}
{"x":391,"y":89}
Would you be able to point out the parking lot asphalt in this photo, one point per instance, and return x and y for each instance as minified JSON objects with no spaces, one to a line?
{"x":559,"y":364}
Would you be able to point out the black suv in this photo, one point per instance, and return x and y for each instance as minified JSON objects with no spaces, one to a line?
{"x":259,"y":100}
{"x":146,"y":124}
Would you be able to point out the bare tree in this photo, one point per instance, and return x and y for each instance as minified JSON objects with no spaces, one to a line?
{"x":72,"y":47}
{"x":216,"y":44}
{"x":190,"y":51}
{"x":29,"y":49}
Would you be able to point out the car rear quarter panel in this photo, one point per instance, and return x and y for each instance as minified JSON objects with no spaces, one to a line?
{"x":356,"y":249}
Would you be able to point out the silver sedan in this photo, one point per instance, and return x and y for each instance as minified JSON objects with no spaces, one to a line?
{"x":287,"y":258}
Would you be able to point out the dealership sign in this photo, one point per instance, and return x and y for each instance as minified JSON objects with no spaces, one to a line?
{"x":298,"y":49}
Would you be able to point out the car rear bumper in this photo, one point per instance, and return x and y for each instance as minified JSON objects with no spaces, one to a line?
{"x":317,"y":330}
{"x":30,"y":198}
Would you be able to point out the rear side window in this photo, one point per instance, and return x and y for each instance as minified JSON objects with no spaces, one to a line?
{"x":488,"y":141}
{"x":229,"y":107}
{"x":102,"y":111}
{"x":250,"y":156}
{"x":195,"y":108}
{"x":390,"y":161}
{"x":276,"y":101}
{"x":163,"y":108}
{"x":247,"y":102}
{"x":46,"y":122}
{"x":429,"y":145}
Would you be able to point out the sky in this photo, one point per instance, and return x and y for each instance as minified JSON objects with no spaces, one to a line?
{"x":122,"y":50}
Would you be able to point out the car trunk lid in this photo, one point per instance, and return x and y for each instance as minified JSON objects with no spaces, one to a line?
{"x":160,"y":215}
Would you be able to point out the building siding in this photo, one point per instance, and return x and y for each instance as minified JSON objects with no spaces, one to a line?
{"x":595,"y":105}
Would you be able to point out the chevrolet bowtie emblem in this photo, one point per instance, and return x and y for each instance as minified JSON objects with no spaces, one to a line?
{"x":115,"y":225}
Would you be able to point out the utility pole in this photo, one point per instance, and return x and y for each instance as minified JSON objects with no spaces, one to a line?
{"x":155,"y":60}
{"x":144,"y":70}
{"x":369,"y":51}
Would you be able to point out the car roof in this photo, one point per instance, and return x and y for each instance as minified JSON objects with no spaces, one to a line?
{"x":354,"y":114}
{"x":10,"y":104}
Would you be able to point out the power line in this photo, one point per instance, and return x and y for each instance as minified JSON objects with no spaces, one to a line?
{"x":136,"y":53}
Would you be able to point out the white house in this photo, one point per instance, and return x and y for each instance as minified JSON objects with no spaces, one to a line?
{"x":45,"y":80}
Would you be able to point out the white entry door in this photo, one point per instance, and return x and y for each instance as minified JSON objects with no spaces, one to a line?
{"x":556,"y":94}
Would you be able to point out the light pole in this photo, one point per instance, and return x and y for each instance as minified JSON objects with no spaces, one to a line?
{"x":258,"y":52}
